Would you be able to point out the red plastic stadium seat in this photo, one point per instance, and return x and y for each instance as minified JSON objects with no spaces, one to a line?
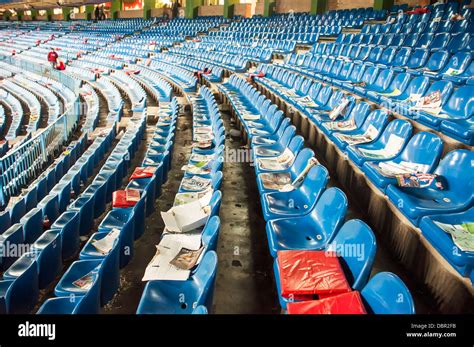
{"x":347,"y":303}
{"x":310,"y":273}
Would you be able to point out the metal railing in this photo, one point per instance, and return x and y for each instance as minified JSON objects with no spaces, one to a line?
{"x":23,"y":164}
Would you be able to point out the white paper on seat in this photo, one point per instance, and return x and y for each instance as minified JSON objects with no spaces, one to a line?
{"x":370,"y":134}
{"x":105,"y":244}
{"x":281,"y":162}
{"x":160,"y":268}
{"x":392,"y":169}
{"x":187,"y":197}
{"x":188,"y":216}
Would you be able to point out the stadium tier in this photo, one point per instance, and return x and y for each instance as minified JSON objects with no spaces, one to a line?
{"x":123,"y":188}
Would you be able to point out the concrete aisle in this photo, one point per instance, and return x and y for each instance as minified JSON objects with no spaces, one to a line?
{"x":244,"y":282}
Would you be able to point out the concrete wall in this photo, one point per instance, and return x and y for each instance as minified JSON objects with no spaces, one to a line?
{"x":285,"y":6}
{"x":244,"y":10}
{"x":158,"y":12}
{"x":259,"y":8}
{"x":211,"y":10}
{"x":80,"y":15}
{"x":348,"y":4}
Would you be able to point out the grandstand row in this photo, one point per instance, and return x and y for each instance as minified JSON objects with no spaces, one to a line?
{"x":237,"y":158}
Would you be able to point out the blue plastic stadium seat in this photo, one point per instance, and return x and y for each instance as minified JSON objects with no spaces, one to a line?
{"x":401,"y":103}
{"x":396,"y":130}
{"x":458,"y":42}
{"x":299,"y":201}
{"x":122,"y":219}
{"x":385,"y":293}
{"x":462,"y":261}
{"x":459,"y":68}
{"x":48,"y":251}
{"x":200,"y":310}
{"x":210,"y":233}
{"x":459,"y":106}
{"x":50,"y":207}
{"x":159,"y":297}
{"x":77,"y":270}
{"x":5,"y":221}
{"x":68,"y":225}
{"x":12,"y":236}
{"x":31,"y":198}
{"x":278,"y":147}
{"x":423,"y":148}
{"x":377,"y":119}
{"x":32,"y":225}
{"x":358,"y":114}
{"x":457,"y":170}
{"x":312,"y":231}
{"x":19,"y":287}
{"x":17,"y":211}
{"x":445,"y":88}
{"x":440,"y":41}
{"x":435,"y":63}
{"x":84,"y":205}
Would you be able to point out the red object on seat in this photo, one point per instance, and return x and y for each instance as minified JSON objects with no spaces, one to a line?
{"x":52,"y":56}
{"x":60,"y":66}
{"x":310,"y":273}
{"x":419,"y":10}
{"x":347,"y":303}
{"x":143,"y":172}
{"x":121,"y":198}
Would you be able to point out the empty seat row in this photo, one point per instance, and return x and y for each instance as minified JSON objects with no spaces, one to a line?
{"x":202,"y":179}
{"x":302,"y":214}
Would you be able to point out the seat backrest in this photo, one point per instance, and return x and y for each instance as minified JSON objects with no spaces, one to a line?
{"x":397,"y":127}
{"x":355,"y":244}
{"x":360,"y":111}
{"x":388,"y":55}
{"x":370,"y":75}
{"x":445,"y":87}
{"x":296,"y":144}
{"x":210,"y":233}
{"x":314,"y":182}
{"x":324,"y":95}
{"x":203,"y":278}
{"x":400,"y":82}
{"x":402,"y":56}
{"x":377,"y":118}
{"x":461,"y":103}
{"x":301,"y":160}
{"x":385,"y":293}
{"x":384,"y":79}
{"x":215,"y":202}
{"x":457,"y":168}
{"x":423,"y":148}
{"x":437,"y":60}
{"x":440,"y":41}
{"x":329,"y":212}
{"x":459,"y":61}
{"x":418,"y":58}
{"x":5,"y":221}
{"x":32,"y":225}
{"x":424,"y":40}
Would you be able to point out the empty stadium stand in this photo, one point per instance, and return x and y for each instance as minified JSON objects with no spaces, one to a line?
{"x":355,"y":195}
